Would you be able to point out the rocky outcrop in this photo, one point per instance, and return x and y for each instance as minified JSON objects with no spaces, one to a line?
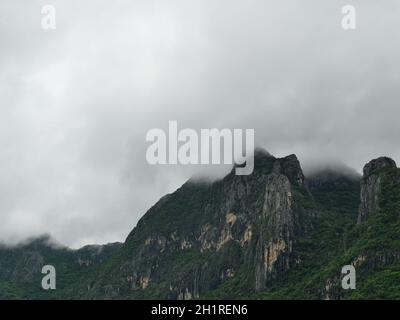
{"x":371,"y":184}
{"x":376,"y":165}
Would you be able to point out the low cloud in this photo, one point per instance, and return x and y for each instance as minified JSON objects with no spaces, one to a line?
{"x":78,"y":101}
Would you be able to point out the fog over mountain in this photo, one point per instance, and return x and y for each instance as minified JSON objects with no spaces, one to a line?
{"x":77,"y":102}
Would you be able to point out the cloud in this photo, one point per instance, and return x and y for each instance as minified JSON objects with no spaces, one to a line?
{"x":76,"y":102}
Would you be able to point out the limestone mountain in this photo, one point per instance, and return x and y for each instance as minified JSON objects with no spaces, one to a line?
{"x":272,"y":234}
{"x":196,"y":239}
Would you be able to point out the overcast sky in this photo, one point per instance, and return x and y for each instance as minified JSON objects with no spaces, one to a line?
{"x":76,"y":102}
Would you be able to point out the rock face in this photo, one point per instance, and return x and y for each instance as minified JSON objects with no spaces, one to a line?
{"x":275,"y":244}
{"x":371,"y":183}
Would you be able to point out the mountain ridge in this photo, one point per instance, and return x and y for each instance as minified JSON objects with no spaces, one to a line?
{"x":272,"y":234}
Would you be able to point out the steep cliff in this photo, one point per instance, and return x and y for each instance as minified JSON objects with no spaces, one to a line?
{"x":371,"y":185}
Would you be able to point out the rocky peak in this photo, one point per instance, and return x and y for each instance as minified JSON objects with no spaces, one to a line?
{"x":263,"y":160}
{"x":371,"y":186}
{"x":378,"y":164}
{"x":265,"y":163}
{"x":291,"y":168}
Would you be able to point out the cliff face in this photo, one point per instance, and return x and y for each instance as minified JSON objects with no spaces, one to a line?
{"x":275,"y":243}
{"x":371,"y":185}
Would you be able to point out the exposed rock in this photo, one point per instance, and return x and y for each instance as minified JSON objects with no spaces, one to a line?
{"x":292,"y":169}
{"x":231,"y":218}
{"x":371,"y":186}
{"x":358,"y":260}
{"x":186,"y":244}
{"x":144,"y":282}
{"x":275,"y":244}
{"x":378,"y":164}
{"x":247,"y":235}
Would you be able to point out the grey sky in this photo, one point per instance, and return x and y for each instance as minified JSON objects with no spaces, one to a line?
{"x":76,"y":102}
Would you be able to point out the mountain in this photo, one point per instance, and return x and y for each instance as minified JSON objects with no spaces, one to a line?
{"x":274,"y":234}
{"x":21,"y":266}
